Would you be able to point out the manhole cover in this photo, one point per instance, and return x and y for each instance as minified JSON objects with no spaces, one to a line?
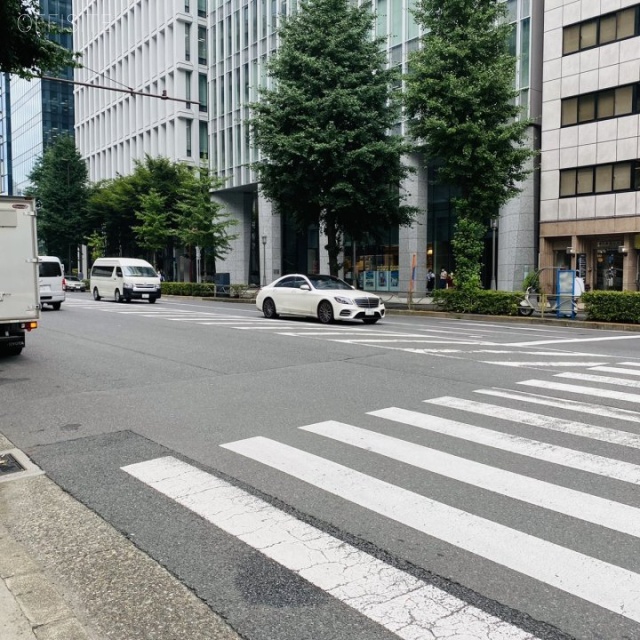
{"x":8,"y":464}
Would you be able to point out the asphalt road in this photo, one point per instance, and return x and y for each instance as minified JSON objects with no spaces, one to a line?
{"x":489,"y":468}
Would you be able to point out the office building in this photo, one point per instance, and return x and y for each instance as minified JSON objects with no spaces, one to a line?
{"x":35,"y":111}
{"x":590,"y":159}
{"x":215,"y":52}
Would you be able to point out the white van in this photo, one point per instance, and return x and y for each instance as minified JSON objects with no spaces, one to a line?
{"x":51,"y":280}
{"x":124,"y":279}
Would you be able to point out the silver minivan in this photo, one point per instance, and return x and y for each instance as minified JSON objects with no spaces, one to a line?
{"x":51,"y":280}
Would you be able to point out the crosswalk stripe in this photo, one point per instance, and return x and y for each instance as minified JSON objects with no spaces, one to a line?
{"x":630,"y":372}
{"x":572,"y":405}
{"x":571,"y":458}
{"x":403,"y":604}
{"x":589,"y":377}
{"x":631,"y":364}
{"x":601,"y":583}
{"x":583,"y":506}
{"x":575,"y":388}
{"x":612,"y":436}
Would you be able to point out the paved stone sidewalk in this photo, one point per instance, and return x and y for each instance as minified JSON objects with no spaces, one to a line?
{"x":66,"y":574}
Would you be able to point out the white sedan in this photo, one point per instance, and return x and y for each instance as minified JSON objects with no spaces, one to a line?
{"x":324,"y":297}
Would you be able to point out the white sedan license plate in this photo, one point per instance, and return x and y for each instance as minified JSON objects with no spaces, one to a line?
{"x":145,"y":295}
{"x":369,"y":312}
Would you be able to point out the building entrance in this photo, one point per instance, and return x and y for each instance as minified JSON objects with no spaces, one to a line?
{"x":609,"y":270}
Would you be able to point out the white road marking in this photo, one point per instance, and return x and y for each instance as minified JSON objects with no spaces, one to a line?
{"x":570,"y":405}
{"x":587,"y":391}
{"x":589,"y":462}
{"x":601,"y":583}
{"x":401,"y":603}
{"x":568,"y":340}
{"x":552,"y":352}
{"x":544,"y":363}
{"x":631,"y":364}
{"x":588,"y":377}
{"x":612,"y":436}
{"x":630,"y":372}
{"x":584,"y":506}
{"x":437,"y":339}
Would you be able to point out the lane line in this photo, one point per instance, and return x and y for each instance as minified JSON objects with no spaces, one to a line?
{"x":575,"y":428}
{"x":571,"y":405}
{"x":401,"y":603}
{"x":586,"y":391}
{"x":543,"y":363}
{"x":573,"y":459}
{"x":584,"y":506}
{"x":533,"y":343}
{"x":608,"y":586}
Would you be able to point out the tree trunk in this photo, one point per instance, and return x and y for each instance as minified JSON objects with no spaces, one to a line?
{"x":333,"y":248}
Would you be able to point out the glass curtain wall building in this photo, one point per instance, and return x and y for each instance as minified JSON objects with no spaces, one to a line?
{"x":242,"y":36}
{"x":37,"y":110}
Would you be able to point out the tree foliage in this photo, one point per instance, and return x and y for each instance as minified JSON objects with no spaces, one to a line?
{"x":59,"y":181}
{"x":460,"y":99}
{"x":323,"y":129}
{"x":202,"y":222}
{"x":113,"y":203}
{"x":28,"y":40}
{"x":153,"y":231}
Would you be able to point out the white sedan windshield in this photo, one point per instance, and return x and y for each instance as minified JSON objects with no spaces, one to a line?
{"x":329,"y":282}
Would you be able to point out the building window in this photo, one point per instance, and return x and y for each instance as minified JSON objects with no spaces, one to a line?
{"x":610,"y":103}
{"x":187,"y":6}
{"x":203,"y":141}
{"x":202,"y":45}
{"x":188,"y":135}
{"x":611,"y":27}
{"x":202,"y":91}
{"x":202,"y":8}
{"x":604,"y":178}
{"x":187,"y":42}
{"x":187,"y":88}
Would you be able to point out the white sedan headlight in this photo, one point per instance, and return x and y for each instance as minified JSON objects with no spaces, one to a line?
{"x":342,"y":300}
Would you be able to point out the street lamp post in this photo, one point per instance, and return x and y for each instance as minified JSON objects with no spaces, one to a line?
{"x":494,"y":228}
{"x":264,"y":260}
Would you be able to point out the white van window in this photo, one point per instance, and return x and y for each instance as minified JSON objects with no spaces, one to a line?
{"x":118,"y":272}
{"x":49,"y":269}
{"x":101,"y":272}
{"x":144,"y":272}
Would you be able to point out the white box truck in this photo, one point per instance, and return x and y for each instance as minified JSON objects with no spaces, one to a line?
{"x":19,"y":288}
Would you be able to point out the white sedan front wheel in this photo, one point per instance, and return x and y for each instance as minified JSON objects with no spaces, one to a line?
{"x":325,"y":312}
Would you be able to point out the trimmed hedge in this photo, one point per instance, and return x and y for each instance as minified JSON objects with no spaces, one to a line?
{"x":199,"y":289}
{"x":207,"y":290}
{"x":612,"y":306}
{"x":488,"y":302}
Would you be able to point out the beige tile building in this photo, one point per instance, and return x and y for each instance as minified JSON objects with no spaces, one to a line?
{"x":590,"y":147}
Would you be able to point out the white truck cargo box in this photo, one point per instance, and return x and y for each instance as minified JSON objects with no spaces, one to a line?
{"x":19,"y":295}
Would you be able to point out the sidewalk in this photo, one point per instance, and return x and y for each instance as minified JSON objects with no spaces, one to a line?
{"x":65,"y":574}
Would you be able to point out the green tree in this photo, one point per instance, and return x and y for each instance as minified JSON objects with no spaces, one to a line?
{"x":59,"y":180}
{"x":28,"y":40}
{"x":153,"y":231}
{"x":460,"y":99}
{"x":113,"y":203}
{"x":323,"y":130}
{"x":202,"y":222}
